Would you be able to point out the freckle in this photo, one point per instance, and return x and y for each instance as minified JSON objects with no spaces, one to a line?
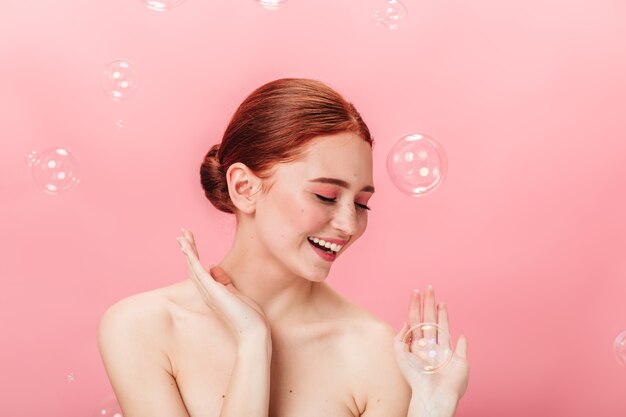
{"x":290,"y":391}
{"x":378,"y":400}
{"x":223,"y":396}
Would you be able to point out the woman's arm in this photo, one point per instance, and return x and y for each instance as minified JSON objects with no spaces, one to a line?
{"x":130,"y":339}
{"x":248,"y":393}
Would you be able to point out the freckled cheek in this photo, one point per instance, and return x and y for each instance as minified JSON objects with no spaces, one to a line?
{"x":311,"y":216}
{"x":297,"y":216}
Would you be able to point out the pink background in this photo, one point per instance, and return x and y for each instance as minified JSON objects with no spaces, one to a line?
{"x":524,"y":240}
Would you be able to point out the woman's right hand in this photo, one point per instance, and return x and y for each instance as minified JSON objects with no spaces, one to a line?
{"x":241,"y":313}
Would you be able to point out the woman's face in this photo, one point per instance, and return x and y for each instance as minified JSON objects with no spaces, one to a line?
{"x":325,"y":194}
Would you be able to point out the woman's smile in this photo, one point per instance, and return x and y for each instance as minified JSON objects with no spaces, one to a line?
{"x":326,"y":254}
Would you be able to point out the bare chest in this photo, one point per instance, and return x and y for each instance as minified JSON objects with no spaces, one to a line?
{"x":310,"y":375}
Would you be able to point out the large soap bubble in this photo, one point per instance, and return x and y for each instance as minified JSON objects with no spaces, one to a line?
{"x":55,"y":169}
{"x":430,"y":347}
{"x":119,"y":79}
{"x":416,"y":164}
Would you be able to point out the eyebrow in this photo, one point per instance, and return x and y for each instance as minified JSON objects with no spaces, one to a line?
{"x":341,"y":183}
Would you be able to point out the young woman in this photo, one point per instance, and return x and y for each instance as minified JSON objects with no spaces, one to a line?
{"x":261,"y":333}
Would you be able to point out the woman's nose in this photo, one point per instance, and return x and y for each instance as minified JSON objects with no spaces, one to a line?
{"x":346,"y":220}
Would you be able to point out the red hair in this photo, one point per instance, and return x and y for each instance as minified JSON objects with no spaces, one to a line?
{"x":273,"y":125}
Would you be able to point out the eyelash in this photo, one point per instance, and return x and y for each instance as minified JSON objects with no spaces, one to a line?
{"x":332,"y":200}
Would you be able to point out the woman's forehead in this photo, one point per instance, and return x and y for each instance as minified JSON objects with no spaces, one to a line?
{"x":348,"y":162}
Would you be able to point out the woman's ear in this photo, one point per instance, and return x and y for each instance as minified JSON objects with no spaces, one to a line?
{"x":242,"y":187}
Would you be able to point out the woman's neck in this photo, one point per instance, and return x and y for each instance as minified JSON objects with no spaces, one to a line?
{"x":281,"y":295}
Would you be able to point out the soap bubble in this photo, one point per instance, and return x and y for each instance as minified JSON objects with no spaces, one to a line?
{"x":620,"y":348}
{"x":70,"y":377}
{"x":271,"y":4}
{"x":109,"y":408}
{"x":391,"y":15}
{"x":416,"y":164}
{"x":54,"y":170}
{"x":429,"y":345}
{"x":161,"y":5}
{"x":119,"y":79}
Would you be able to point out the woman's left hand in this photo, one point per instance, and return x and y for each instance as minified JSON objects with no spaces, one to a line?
{"x":444,"y":388}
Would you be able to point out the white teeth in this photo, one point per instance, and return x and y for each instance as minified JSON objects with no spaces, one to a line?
{"x":332,"y":246}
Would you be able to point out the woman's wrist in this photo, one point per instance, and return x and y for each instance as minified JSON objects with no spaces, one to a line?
{"x":431,"y":407}
{"x":255,"y":344}
{"x":248,"y":390}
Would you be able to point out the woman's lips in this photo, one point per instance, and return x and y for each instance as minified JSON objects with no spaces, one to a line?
{"x":331,"y":240}
{"x":327,"y":256}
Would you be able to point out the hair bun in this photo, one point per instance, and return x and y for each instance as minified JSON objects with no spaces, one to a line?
{"x":213,"y":180}
{"x":273,"y":125}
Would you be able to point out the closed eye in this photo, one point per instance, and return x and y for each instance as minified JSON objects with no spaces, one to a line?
{"x":332,"y":200}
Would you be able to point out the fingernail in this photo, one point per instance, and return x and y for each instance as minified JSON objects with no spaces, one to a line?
{"x":182,"y":230}
{"x":430,"y":287}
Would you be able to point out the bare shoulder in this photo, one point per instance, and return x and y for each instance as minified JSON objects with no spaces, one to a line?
{"x":148,"y":307}
{"x":368,"y":334}
{"x":379,"y":386}
{"x":133,"y":336}
{"x":364,"y":323}
{"x":145,"y":317}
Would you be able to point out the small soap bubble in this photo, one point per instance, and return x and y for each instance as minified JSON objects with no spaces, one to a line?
{"x":429,"y":347}
{"x":119,"y":79}
{"x":54,"y":170}
{"x":271,"y":4}
{"x":390,"y":14}
{"x":109,"y":408}
{"x":161,"y":5}
{"x":70,"y":377}
{"x":619,"y":348}
{"x":119,"y":124}
{"x":416,"y":164}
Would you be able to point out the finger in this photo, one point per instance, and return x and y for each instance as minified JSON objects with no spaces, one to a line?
{"x":414,"y":308}
{"x":197,"y":271}
{"x":187,"y":234}
{"x":461,"y":347}
{"x":197,"y":282}
{"x":430,"y":313}
{"x":402,"y":354}
{"x":442,"y":319}
{"x":414,"y":331}
{"x":400,"y":335}
{"x":194,"y":277}
{"x":414,"y":316}
{"x":400,"y":340}
{"x":219,"y":275}
{"x":192,"y":274}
